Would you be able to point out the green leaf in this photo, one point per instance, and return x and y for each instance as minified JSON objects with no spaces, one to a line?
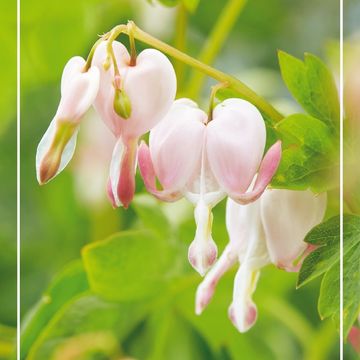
{"x":309,"y":158}
{"x":129,"y":265}
{"x":325,"y":260}
{"x":151,"y":214}
{"x":312,"y":85}
{"x":68,"y":283}
{"x":85,"y":326}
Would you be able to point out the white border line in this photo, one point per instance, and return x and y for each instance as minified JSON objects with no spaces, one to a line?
{"x":341,"y":175}
{"x":18,"y":177}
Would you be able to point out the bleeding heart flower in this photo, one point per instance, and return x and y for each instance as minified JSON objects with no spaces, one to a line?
{"x":207,"y":161}
{"x":131,"y":101}
{"x":270,"y":230}
{"x":57,"y":146}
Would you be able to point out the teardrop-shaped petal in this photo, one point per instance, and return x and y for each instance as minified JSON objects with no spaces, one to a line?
{"x":243,"y":311}
{"x":150,"y":86}
{"x":235,"y":144}
{"x":176,"y":144}
{"x":203,"y":250}
{"x":122,"y":172}
{"x":287,"y":217}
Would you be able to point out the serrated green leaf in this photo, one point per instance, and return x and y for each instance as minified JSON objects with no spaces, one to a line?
{"x":325,"y":260}
{"x":84,"y":325}
{"x":129,"y":265}
{"x":312,"y":85}
{"x":309,"y":158}
{"x":68,"y":283}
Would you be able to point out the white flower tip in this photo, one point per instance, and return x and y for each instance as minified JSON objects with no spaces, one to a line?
{"x":202,"y":255}
{"x":243,"y":317}
{"x":204,"y":294}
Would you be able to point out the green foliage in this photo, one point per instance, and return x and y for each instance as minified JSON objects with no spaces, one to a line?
{"x":309,"y":155}
{"x":190,"y":5}
{"x":128,"y":266}
{"x":324,"y":260}
{"x":70,"y":282}
{"x":312,"y":85}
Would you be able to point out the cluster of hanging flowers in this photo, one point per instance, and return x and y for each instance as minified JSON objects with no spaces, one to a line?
{"x":204,"y":157}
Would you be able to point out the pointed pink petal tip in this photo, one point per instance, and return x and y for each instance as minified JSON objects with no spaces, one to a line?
{"x":267,"y":170}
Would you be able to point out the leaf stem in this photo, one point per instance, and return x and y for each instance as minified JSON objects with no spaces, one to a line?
{"x":215,"y":41}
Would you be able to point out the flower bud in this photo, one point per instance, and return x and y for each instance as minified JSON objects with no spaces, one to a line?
{"x":122,"y":105}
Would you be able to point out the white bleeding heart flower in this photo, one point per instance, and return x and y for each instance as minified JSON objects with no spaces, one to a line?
{"x":207,"y":161}
{"x":270,"y":230}
{"x":78,"y":92}
{"x":148,"y":89}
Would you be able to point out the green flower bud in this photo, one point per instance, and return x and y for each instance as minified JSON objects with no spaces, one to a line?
{"x":122,"y":104}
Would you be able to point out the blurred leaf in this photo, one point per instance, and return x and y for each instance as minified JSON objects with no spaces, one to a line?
{"x":312,"y":85}
{"x":190,"y":5}
{"x":84,"y":324}
{"x":151,"y":214}
{"x":129,"y":265}
{"x":167,"y":335}
{"x":68,"y":283}
{"x":325,"y":259}
{"x":7,"y":341}
{"x":309,"y":154}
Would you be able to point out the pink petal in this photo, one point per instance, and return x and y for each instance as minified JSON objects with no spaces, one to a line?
{"x":354,"y":338}
{"x":297,"y":212}
{"x":122,"y":172}
{"x":150,"y":87}
{"x":148,"y":174}
{"x":267,"y":170}
{"x":176,"y":144}
{"x":206,"y":289}
{"x":235,"y":144}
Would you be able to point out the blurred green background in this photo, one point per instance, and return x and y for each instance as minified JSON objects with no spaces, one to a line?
{"x":71,"y":211}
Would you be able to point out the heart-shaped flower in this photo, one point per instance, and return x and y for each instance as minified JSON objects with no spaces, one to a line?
{"x":207,"y":161}
{"x":131,"y":101}
{"x":270,"y":230}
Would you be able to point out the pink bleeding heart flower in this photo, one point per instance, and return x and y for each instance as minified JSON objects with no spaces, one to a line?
{"x":270,"y":230}
{"x":57,"y":146}
{"x":148,"y":90}
{"x":207,"y":161}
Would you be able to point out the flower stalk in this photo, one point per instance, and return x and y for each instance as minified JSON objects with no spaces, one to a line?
{"x":233,"y":83}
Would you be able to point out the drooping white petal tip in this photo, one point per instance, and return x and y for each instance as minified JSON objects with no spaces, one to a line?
{"x":202,"y":255}
{"x":243,"y":317}
{"x":204,"y":294}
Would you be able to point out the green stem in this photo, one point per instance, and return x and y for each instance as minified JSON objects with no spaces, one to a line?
{"x":235,"y":84}
{"x":215,"y":41}
{"x":214,"y":90}
{"x":180,"y":40}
